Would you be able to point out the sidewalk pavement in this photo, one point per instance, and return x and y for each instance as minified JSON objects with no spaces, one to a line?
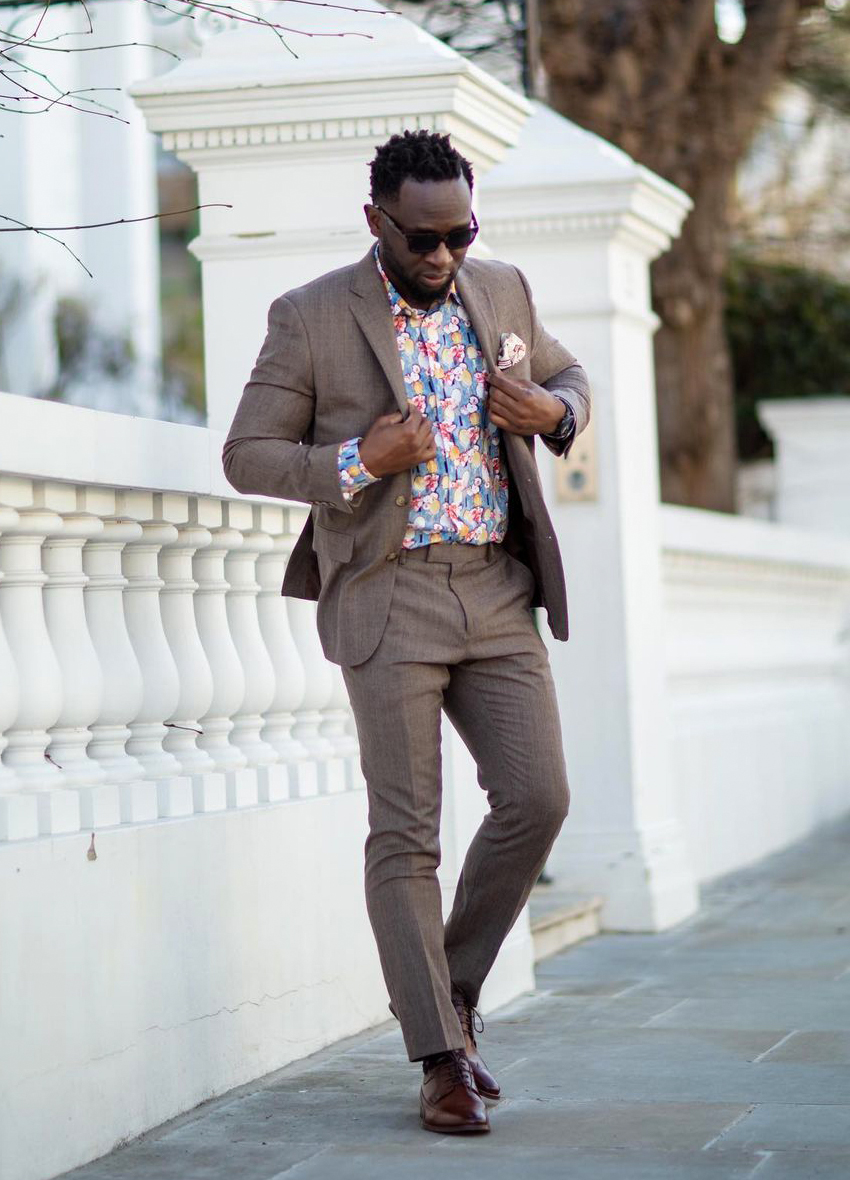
{"x":716,"y":1051}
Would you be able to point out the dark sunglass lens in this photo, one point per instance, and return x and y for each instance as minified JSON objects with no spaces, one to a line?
{"x":457,"y":239}
{"x":460,"y":238}
{"x":423,"y":243}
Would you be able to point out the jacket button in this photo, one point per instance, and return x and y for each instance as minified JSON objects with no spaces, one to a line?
{"x":401,"y":501}
{"x":392,"y":557}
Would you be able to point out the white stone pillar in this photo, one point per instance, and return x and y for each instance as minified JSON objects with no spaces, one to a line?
{"x":240,"y":569}
{"x":318,"y":690}
{"x":82,"y":681}
{"x":335,"y":727}
{"x":286,"y":141}
{"x":160,"y":683}
{"x":811,"y":438}
{"x":38,"y":672}
{"x":583,"y":222}
{"x":227,"y":674}
{"x":193,"y":668}
{"x":288,"y":671}
{"x":123,"y":688}
{"x":18,"y":811}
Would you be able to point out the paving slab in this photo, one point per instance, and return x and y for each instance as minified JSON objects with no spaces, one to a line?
{"x":719,"y":1050}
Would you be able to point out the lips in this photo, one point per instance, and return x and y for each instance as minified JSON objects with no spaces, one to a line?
{"x":436,"y":280}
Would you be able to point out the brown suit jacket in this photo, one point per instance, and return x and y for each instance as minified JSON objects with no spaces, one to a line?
{"x":328,"y":368}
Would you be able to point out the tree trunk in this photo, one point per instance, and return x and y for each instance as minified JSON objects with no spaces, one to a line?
{"x":653,"y":77}
{"x":696,"y":413}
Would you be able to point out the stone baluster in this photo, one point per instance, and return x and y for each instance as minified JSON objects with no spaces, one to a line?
{"x":335,"y":727}
{"x":122,"y":677}
{"x":227,"y":674}
{"x":195,"y":676}
{"x":160,"y":683}
{"x":318,"y":690}
{"x":240,"y":568}
{"x":39,"y":674}
{"x":289,"y":673}
{"x":82,"y":680}
{"x":18,"y":811}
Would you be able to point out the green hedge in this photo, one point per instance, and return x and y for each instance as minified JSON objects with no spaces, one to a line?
{"x":789,"y":335}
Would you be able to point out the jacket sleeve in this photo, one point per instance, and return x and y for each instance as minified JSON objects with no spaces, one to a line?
{"x":554,"y":367}
{"x":265,"y":452}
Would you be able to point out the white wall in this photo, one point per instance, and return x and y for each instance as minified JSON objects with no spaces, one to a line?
{"x":757,"y":659}
{"x":192,"y":956}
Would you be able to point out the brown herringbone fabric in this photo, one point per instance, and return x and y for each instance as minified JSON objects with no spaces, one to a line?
{"x":329,"y":367}
{"x":460,"y":638}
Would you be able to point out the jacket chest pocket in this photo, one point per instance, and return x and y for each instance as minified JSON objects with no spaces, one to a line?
{"x":329,"y":543}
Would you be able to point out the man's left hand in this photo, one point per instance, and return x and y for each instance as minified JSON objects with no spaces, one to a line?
{"x":521,"y":407}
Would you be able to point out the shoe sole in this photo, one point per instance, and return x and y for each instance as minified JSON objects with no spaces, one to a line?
{"x":464,"y":1129}
{"x":458,"y":1129}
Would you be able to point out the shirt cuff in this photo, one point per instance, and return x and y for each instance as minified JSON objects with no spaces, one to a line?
{"x":353,"y":476}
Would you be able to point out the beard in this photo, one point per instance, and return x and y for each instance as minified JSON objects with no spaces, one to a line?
{"x":412,"y":291}
{"x":424,"y":297}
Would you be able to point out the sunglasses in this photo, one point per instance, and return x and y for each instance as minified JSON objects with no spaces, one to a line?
{"x":426,"y":242}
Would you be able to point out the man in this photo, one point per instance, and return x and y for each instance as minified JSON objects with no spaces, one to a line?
{"x":378,"y":398}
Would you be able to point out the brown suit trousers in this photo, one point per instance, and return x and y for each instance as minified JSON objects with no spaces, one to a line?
{"x":460,"y":638}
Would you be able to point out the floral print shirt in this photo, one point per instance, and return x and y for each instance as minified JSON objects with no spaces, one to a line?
{"x":462,"y":494}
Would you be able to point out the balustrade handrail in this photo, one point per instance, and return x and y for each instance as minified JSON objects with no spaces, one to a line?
{"x":149,"y":667}
{"x":52,"y":441}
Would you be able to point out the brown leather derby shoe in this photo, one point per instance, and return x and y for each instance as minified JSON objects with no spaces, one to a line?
{"x":487,"y":1085}
{"x":448,"y":1101}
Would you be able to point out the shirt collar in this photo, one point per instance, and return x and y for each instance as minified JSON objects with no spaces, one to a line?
{"x":399,"y":304}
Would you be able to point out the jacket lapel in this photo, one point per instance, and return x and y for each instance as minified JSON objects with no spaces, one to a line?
{"x":371,"y":310}
{"x":478,"y":303}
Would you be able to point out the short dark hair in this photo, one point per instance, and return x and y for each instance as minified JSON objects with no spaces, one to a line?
{"x":415,"y":155}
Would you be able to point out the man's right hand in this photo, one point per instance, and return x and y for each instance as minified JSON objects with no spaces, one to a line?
{"x":393,"y":444}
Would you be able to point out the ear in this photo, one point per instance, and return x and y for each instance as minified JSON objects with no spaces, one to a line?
{"x":373,"y":219}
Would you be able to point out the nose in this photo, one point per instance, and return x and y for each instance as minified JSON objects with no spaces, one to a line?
{"x":441,"y":258}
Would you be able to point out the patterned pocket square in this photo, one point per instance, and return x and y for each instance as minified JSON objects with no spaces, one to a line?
{"x":511,"y":350}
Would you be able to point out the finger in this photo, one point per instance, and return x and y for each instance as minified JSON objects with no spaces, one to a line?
{"x":497,"y":377}
{"x":505,"y":407}
{"x":507,"y":389}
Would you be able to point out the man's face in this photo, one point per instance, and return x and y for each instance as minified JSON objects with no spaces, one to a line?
{"x":435,"y":206}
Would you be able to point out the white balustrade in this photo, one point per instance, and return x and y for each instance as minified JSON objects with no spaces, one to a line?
{"x":335,"y":728}
{"x":193,"y":667}
{"x":149,"y":665}
{"x":123,"y":688}
{"x":228,"y":677}
{"x":318,"y":692}
{"x":241,"y":606}
{"x":160,"y":684}
{"x":18,"y":812}
{"x":289,"y":671}
{"x":82,"y":680}
{"x":39,"y":674}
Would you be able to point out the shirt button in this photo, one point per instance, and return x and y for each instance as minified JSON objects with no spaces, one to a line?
{"x":401,"y":501}
{"x":392,"y":557}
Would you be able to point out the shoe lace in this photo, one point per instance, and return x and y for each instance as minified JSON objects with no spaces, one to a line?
{"x":458,"y":1070}
{"x":471,"y":1020}
{"x":450,"y":1068}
